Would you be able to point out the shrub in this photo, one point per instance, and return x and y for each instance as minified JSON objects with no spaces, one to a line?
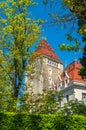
{"x":75,"y":122}
{"x":24,"y":121}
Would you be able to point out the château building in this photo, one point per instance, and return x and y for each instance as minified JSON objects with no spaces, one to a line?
{"x":49,"y":74}
{"x":73,"y":86}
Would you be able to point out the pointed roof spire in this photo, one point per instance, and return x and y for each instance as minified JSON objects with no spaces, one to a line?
{"x":45,"y":49}
{"x":43,"y":33}
{"x":75,"y":56}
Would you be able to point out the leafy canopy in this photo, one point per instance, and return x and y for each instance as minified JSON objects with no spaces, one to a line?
{"x":18,"y":32}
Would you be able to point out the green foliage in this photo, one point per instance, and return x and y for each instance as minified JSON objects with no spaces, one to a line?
{"x":46,"y":103}
{"x":69,"y":47}
{"x":7,"y":102}
{"x":76,"y":122}
{"x":18,"y":32}
{"x":45,"y":2}
{"x":14,"y":121}
{"x":83,"y":62}
{"x":71,"y":12}
{"x":78,"y":8}
{"x":74,"y":107}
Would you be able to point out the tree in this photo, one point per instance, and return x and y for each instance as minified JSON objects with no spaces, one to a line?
{"x":74,"y":107}
{"x":76,"y":14}
{"x":4,"y":82}
{"x":18,"y":32}
{"x":83,"y":63}
{"x":7,"y":101}
{"x":78,"y":8}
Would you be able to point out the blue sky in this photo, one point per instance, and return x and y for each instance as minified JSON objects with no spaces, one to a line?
{"x":55,"y":35}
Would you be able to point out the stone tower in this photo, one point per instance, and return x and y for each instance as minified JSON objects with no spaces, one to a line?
{"x":47,"y":68}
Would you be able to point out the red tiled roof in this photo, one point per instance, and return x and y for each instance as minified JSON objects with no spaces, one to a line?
{"x":45,"y":49}
{"x":73,"y":72}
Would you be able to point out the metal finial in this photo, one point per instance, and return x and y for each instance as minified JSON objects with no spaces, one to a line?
{"x":75,"y":57}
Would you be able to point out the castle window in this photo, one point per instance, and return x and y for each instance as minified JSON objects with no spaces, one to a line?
{"x":46,"y":61}
{"x":49,"y":62}
{"x":53,"y":86}
{"x":50,"y":80}
{"x":66,"y":79}
{"x":52,"y":63}
{"x":59,"y":66}
{"x":67,"y":98}
{"x":50,"y":71}
{"x":59,"y":81}
{"x":84,"y":97}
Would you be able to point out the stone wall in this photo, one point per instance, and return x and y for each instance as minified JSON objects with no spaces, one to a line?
{"x":44,"y":74}
{"x":50,"y":72}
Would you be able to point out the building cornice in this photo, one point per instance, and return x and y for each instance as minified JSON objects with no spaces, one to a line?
{"x":52,"y":59}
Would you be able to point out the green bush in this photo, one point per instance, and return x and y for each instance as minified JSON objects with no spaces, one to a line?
{"x":75,"y":122}
{"x":16,"y":121}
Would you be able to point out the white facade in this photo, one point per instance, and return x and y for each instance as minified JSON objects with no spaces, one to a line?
{"x":75,"y":91}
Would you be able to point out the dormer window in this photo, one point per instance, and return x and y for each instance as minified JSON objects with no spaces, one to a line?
{"x":66,"y":78}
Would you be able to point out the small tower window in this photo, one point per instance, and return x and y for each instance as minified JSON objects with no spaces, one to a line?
{"x":59,"y":66}
{"x":50,"y":71}
{"x":50,"y":79}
